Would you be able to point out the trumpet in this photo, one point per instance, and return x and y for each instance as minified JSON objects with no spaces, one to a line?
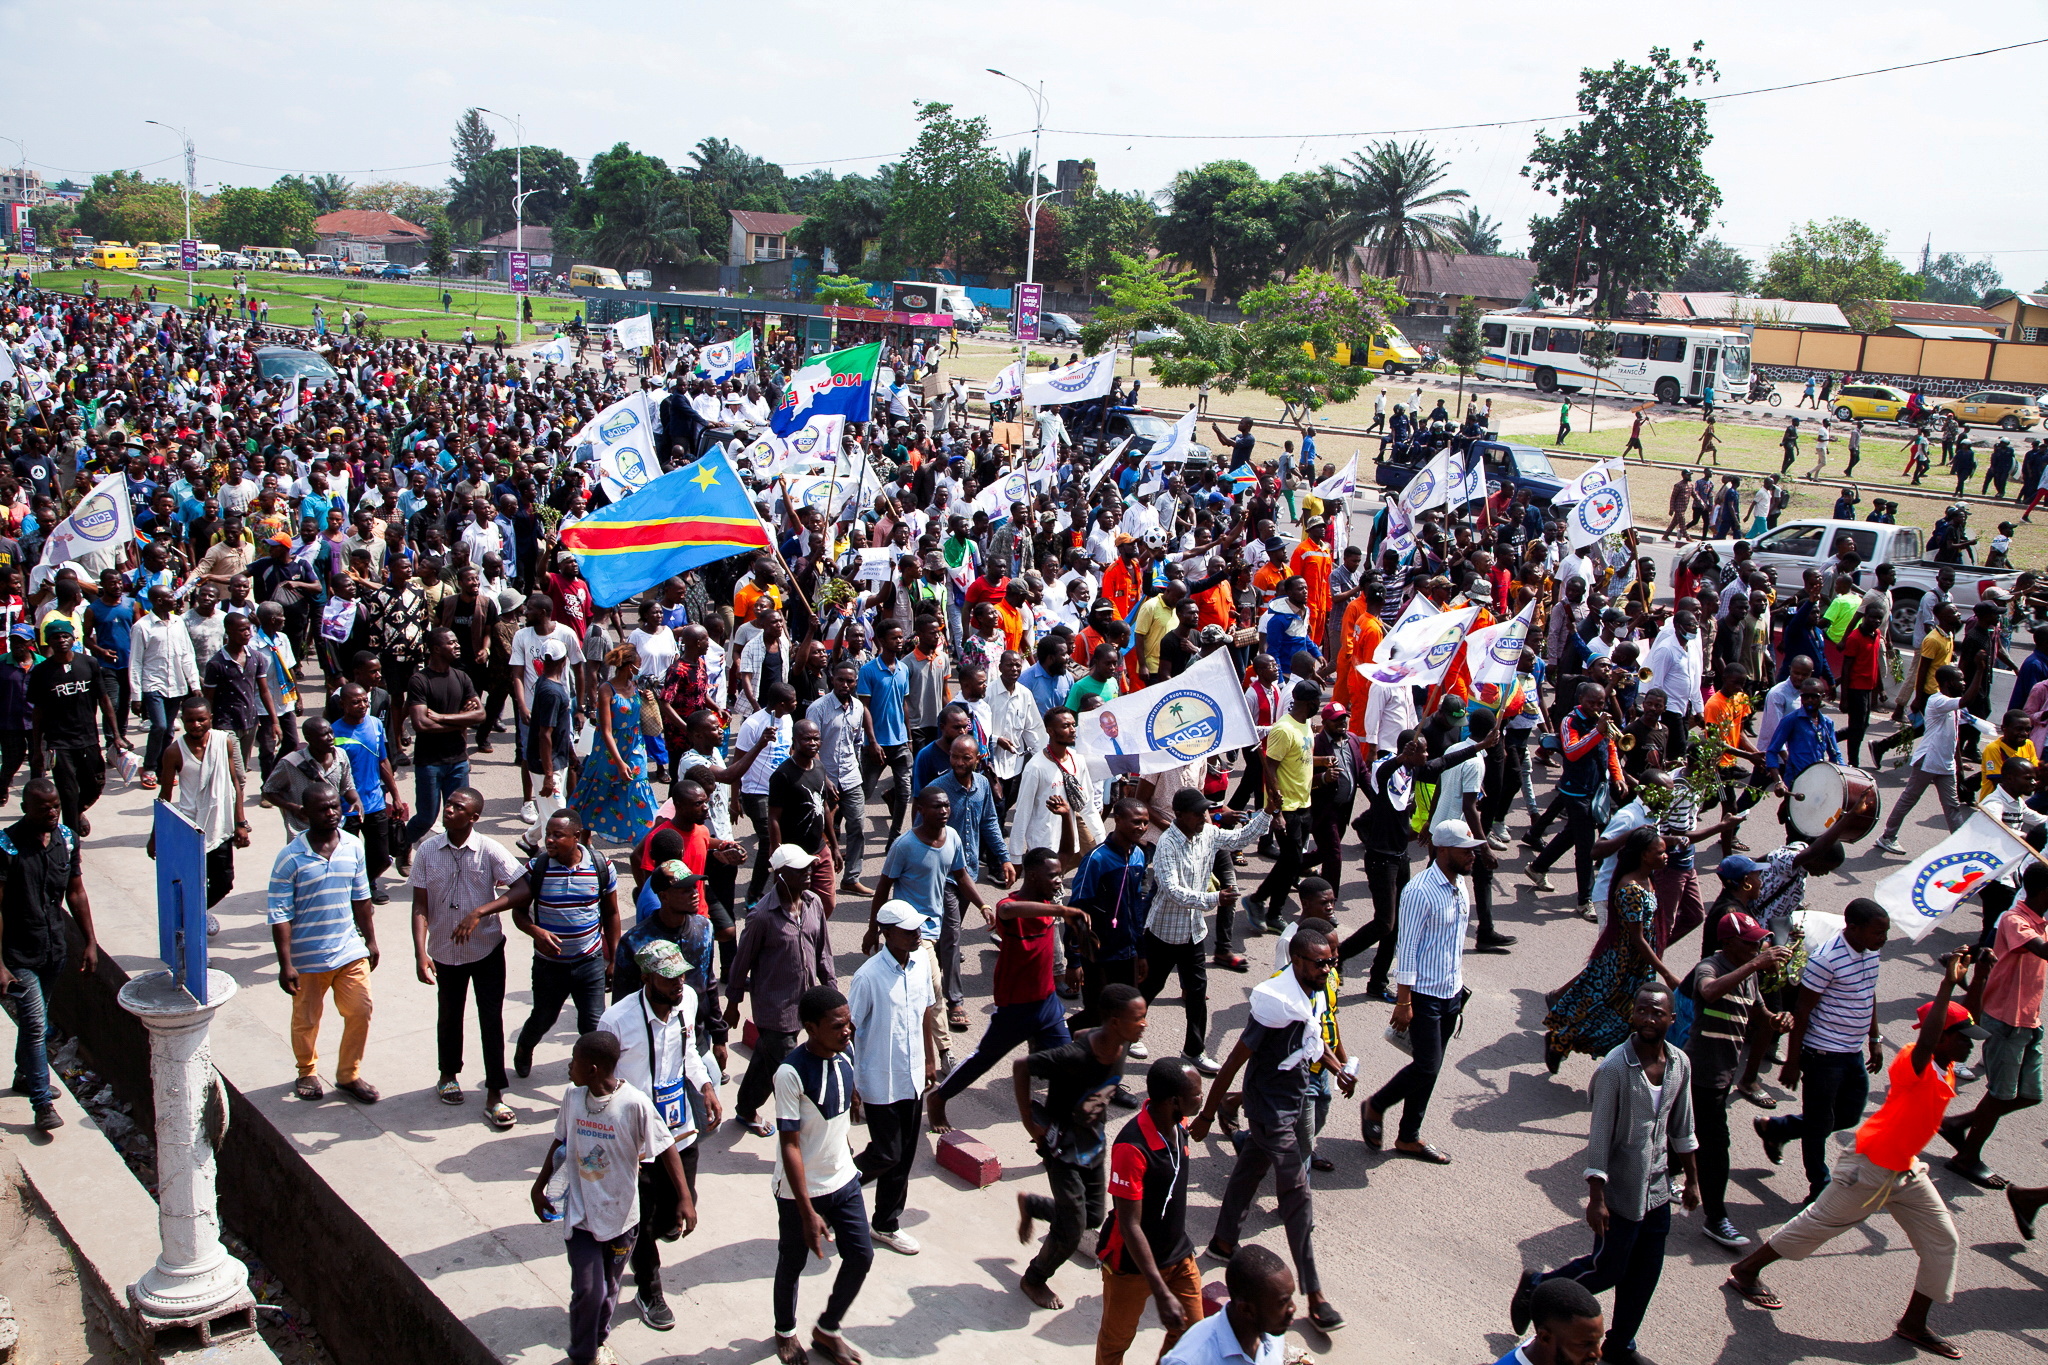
{"x":1627,"y":743}
{"x":1644,"y":673}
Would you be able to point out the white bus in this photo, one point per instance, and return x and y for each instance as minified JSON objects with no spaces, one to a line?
{"x":1669,"y":360}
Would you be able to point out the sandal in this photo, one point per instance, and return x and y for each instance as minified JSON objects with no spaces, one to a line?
{"x":499,"y":1116}
{"x":1755,"y":1292}
{"x":1425,"y":1153}
{"x":1228,"y":962}
{"x":450,"y":1091}
{"x":359,"y":1090}
{"x":1930,"y":1343}
{"x":1326,"y":1317}
{"x":835,"y":1348}
{"x":761,"y":1128}
{"x":148,"y":782}
{"x":956,"y":1018}
{"x":309,"y":1088}
{"x":1374,"y":1130}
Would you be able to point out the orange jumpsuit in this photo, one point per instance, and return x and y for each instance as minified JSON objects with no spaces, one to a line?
{"x":1362,"y":634}
{"x":1123,"y":584}
{"x":1313,"y":562}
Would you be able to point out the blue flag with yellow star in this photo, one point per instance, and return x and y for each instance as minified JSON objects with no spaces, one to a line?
{"x":688,"y":517}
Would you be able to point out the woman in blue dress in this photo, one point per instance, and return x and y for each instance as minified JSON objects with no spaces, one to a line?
{"x":613,"y":794}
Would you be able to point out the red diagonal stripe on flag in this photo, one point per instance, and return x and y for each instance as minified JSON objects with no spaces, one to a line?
{"x":598,"y":538}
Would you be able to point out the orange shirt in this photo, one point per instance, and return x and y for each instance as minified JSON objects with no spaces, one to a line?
{"x":750,"y":592}
{"x":1724,"y":716}
{"x":1365,"y":643}
{"x":1911,"y":1113}
{"x":1012,"y":621}
{"x":1217,"y":606}
{"x":1267,"y":578}
{"x":1312,"y":562}
{"x":1123,"y":584}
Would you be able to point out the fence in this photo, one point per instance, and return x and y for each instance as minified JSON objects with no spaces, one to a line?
{"x":1949,"y":368}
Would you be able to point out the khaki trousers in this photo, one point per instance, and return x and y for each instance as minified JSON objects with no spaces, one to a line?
{"x":1861,"y":1187}
{"x":1123,"y":1306}
{"x":351,"y":987}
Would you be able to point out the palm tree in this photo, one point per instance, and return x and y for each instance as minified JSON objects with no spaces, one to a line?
{"x":1386,"y":190}
{"x":1478,"y":235}
{"x":1017,"y":176}
{"x":328,"y":192}
{"x":655,"y":230}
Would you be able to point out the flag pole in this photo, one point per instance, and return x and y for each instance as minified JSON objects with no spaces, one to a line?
{"x":775,"y":546}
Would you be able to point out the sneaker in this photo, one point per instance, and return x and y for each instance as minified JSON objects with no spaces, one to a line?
{"x":900,"y":1242}
{"x":1586,"y":912}
{"x":212,"y":926}
{"x":47,"y":1118}
{"x":1723,"y":1231}
{"x":1774,"y":1147}
{"x":528,"y":813}
{"x":1207,"y":1065}
{"x":654,"y":1309}
{"x":1890,"y":845}
{"x":1540,"y":880}
{"x":1139,"y":1051}
{"x":1499,"y":837}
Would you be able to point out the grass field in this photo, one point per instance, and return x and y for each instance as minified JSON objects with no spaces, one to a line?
{"x":401,"y":309}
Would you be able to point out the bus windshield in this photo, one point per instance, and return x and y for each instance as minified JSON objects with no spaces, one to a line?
{"x":1735,"y":363}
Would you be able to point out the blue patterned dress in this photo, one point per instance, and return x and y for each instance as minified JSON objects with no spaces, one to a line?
{"x":616,"y":808}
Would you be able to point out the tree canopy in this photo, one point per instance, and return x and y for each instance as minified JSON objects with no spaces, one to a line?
{"x":1844,"y":262}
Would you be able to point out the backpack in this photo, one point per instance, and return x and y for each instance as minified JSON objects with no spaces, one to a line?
{"x":1684,"y":1007}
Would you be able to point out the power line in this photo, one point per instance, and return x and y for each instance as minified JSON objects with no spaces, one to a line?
{"x":1550,"y":118}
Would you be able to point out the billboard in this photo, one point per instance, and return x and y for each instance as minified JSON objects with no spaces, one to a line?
{"x":1030,"y":301}
{"x":515,"y":269}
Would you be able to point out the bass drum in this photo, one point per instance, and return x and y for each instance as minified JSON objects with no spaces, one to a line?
{"x":1822,"y":793}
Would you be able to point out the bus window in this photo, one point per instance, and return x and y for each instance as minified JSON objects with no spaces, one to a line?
{"x":1542,"y":339}
{"x":1518,"y":343}
{"x":1630,"y":346}
{"x":1564,"y":339}
{"x":1670,"y":350}
{"x":1494,"y":334}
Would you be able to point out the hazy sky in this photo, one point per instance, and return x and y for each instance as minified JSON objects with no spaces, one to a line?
{"x":372,"y":90}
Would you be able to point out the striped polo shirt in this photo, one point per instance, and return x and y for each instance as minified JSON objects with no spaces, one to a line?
{"x":1847,"y":983}
{"x":566,"y":901}
{"x":316,"y":896}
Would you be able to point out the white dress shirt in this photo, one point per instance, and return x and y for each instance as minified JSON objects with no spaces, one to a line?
{"x":888,"y":1000}
{"x":1935,"y":750}
{"x":1675,"y":667}
{"x":161,"y":658}
{"x":1429,"y":945}
{"x":1013,"y":715}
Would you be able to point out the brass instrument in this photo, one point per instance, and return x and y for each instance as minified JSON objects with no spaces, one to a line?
{"x":1644,"y":673}
{"x":1627,"y":743}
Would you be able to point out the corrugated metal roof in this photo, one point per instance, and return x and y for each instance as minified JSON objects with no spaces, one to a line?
{"x":1483,"y":277}
{"x":1928,"y":331}
{"x":1962,"y":315}
{"x":774,"y":224}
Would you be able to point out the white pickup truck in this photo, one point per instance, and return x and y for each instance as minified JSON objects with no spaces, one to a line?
{"x":1813,"y":543}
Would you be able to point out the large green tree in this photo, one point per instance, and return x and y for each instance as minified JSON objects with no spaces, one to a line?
{"x":1142,"y":294}
{"x":631,"y":212}
{"x":420,"y":204}
{"x":1289,"y":344}
{"x":1227,"y":221}
{"x":736,"y":179}
{"x":1390,"y":201}
{"x":950,"y":203}
{"x":1714,"y":267}
{"x":1633,"y":192}
{"x":473,"y":141}
{"x":482,"y":200}
{"x":1104,"y":224}
{"x":845,"y":218}
{"x":123,"y":206}
{"x":1844,"y":262}
{"x":1949,"y":278}
{"x":1477,"y":234}
{"x":280,"y":216}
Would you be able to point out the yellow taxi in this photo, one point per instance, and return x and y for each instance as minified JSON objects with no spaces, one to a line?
{"x":1869,"y":402}
{"x":1994,"y":407}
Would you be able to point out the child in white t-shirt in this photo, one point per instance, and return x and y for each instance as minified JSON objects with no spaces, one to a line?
{"x":606,"y":1128}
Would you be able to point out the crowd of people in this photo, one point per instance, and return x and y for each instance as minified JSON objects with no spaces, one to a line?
{"x":385,"y":546}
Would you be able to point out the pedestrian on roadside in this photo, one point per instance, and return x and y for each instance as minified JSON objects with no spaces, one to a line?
{"x":1144,"y":1247}
{"x":40,"y":879}
{"x":1641,"y":1136}
{"x":458,"y":950}
{"x":896,"y":1020}
{"x":326,"y":940}
{"x":316,"y":762}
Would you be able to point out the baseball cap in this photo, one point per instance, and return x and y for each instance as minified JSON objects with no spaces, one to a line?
{"x":1736,"y":924}
{"x":1336,"y":710}
{"x":1453,"y":834}
{"x":1123,"y":538}
{"x":661,"y":957}
{"x":898,"y":914}
{"x":553,"y":649}
{"x":1959,"y":1021}
{"x":678,"y":872}
{"x":22,"y":632}
{"x":789,"y":855}
{"x":1735,"y":867}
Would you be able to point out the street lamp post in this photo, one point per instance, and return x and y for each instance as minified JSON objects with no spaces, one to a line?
{"x":1031,"y":202}
{"x":191,"y":178}
{"x":21,"y":179}
{"x":518,"y":211}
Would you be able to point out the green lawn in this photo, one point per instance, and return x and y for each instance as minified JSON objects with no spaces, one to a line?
{"x":399,"y":307}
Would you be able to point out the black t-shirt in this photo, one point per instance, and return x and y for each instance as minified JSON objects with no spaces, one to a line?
{"x":462,"y":614}
{"x":550,"y":714}
{"x":1241,"y":447}
{"x":1270,"y":1093}
{"x":1972,"y":647}
{"x":444,"y":694}
{"x":1077,"y":1090}
{"x":65,"y":697}
{"x":33,"y":879}
{"x":798,"y":796}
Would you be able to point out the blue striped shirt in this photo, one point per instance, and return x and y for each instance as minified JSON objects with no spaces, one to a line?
{"x":365,"y":747}
{"x":1429,"y":947}
{"x":566,"y":903}
{"x":316,"y":897}
{"x":1847,"y":983}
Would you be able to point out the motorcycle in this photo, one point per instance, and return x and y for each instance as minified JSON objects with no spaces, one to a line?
{"x":1762,"y":390}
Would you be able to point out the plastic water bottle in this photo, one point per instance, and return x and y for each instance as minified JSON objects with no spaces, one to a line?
{"x":557,"y":1191}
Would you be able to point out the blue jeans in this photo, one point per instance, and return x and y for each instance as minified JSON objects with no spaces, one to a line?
{"x":25,"y":1001}
{"x":1629,"y":1260}
{"x":431,"y":784}
{"x":159,"y":711}
{"x":1833,"y":1088}
{"x":1044,"y":1023}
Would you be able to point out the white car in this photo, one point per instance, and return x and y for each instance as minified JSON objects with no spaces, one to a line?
{"x":150,"y":263}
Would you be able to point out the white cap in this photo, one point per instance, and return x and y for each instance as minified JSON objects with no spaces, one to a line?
{"x":789,"y":855}
{"x":1453,"y":834}
{"x":899,"y":915}
{"x":553,"y":649}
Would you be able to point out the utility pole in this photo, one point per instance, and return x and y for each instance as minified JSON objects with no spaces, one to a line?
{"x":1031,"y":202}
{"x":518,"y":212}
{"x":191,"y":183}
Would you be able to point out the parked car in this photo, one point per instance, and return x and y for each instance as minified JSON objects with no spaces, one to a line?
{"x":210,"y":262}
{"x":422,"y":271}
{"x":1139,"y":338}
{"x":150,"y":263}
{"x":1870,"y":402}
{"x":1146,"y":429}
{"x":235,"y":260}
{"x":2012,"y":411}
{"x":1058,"y":327}
{"x":1509,"y":466}
{"x":394,"y":271}
{"x":1812,"y":543}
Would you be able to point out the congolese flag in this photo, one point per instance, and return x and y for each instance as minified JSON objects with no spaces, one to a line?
{"x":837,"y":383}
{"x":687,"y":517}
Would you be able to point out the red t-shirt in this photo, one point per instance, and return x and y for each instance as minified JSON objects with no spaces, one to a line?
{"x":573,"y":607}
{"x":696,"y":849}
{"x":981,"y":590}
{"x":1861,"y":660}
{"x":1023,"y":958}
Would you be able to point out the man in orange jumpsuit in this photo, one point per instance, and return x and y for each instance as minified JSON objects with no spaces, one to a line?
{"x":1358,"y":639}
{"x":1313,"y":562}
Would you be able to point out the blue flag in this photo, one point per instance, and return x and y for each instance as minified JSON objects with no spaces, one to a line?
{"x":687,"y":517}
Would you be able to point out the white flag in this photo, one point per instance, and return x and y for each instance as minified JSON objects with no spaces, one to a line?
{"x":1171,"y":723}
{"x":631,"y":332}
{"x":1006,"y":385}
{"x":811,"y":447}
{"x":1419,"y":608}
{"x":1430,"y":486}
{"x":1045,"y":469}
{"x":1103,"y":466}
{"x":1495,"y":653}
{"x":621,"y":442}
{"x":1604,"y":512}
{"x":288,"y":410}
{"x":1581,"y":488}
{"x":1475,"y":476}
{"x":560,"y":351}
{"x":1179,"y":442}
{"x":1340,"y":485}
{"x":6,"y":363}
{"x":1075,"y":383}
{"x":1420,"y":653}
{"x":1919,"y":895}
{"x":101,"y":525}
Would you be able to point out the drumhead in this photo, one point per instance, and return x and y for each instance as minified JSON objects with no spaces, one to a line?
{"x":1816,"y":799}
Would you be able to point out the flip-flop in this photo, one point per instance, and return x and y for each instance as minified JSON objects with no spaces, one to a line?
{"x":1930,"y":1343}
{"x":1373,"y":1130}
{"x":450,"y":1092}
{"x":1426,"y":1153}
{"x":500,"y":1116}
{"x":1755,"y":1292}
{"x":761,"y":1128}
{"x":360,"y":1090}
{"x":309,"y":1088}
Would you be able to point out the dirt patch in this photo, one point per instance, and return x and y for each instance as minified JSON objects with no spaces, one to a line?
{"x":41,"y":1281}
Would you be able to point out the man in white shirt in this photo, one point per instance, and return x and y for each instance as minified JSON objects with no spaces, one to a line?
{"x":1016,"y":732}
{"x":1034,"y":823}
{"x":778,"y":701}
{"x":1781,"y":699}
{"x":163,"y":670}
{"x":454,"y":872}
{"x":659,"y":1058}
{"x":1101,"y":542}
{"x":540,"y":628}
{"x":1934,"y":758}
{"x":896,"y":1018}
{"x":1675,"y":665}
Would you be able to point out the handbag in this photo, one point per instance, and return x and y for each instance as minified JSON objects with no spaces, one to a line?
{"x":650,"y":713}
{"x":1077,"y":797}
